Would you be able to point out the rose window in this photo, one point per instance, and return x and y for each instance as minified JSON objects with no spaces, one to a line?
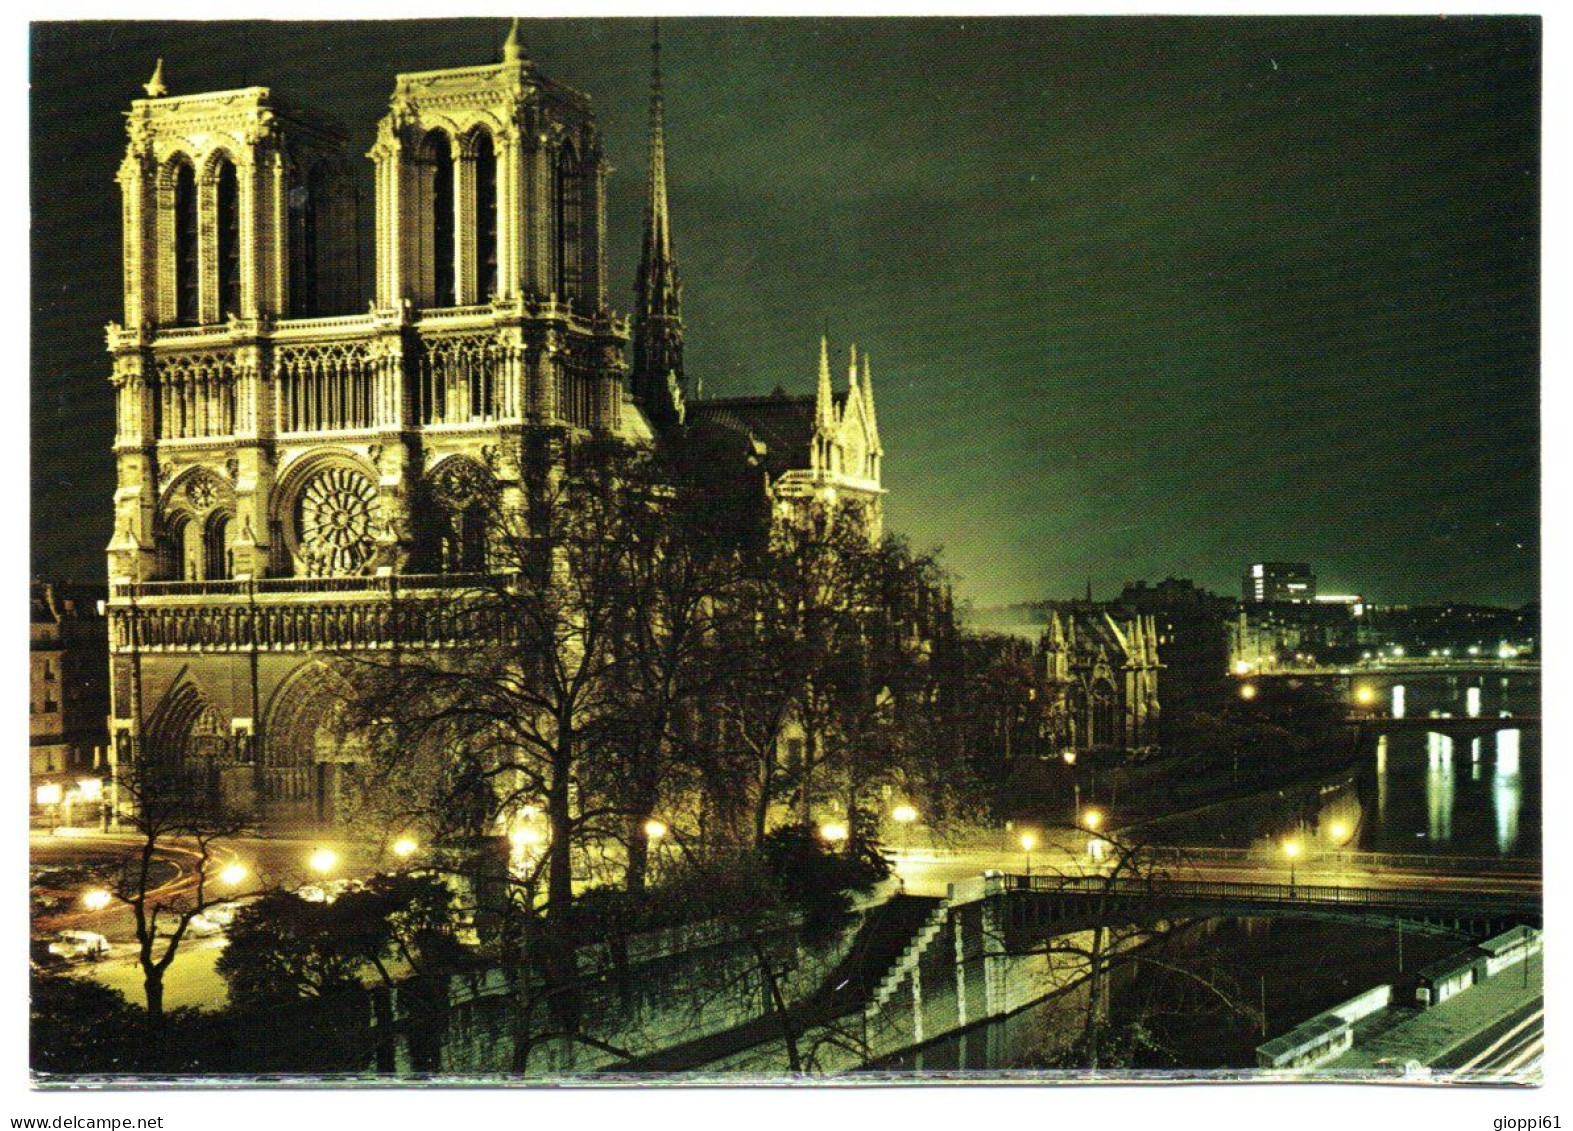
{"x":337,"y":521}
{"x":201,"y":492}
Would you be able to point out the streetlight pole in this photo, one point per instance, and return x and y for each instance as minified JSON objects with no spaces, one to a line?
{"x":1292,"y":851}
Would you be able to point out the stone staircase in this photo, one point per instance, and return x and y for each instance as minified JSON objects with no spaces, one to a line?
{"x":908,"y":959}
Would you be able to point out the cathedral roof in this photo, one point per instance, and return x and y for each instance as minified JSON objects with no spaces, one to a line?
{"x":783,"y":423}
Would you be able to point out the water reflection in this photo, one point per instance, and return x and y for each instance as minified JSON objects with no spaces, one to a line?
{"x":1439,"y":787}
{"x":1381,"y":778}
{"x":1472,"y":702}
{"x":1398,"y":701}
{"x":1507,"y":791}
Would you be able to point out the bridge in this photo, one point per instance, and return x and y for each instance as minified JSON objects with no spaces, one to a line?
{"x":1034,"y":904}
{"x":1464,"y":725}
{"x":1398,"y":669}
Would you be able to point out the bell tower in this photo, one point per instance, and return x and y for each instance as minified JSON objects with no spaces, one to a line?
{"x":491,"y":202}
{"x":236,"y":212}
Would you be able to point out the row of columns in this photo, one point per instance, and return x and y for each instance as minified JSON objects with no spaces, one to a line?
{"x":528,"y":236}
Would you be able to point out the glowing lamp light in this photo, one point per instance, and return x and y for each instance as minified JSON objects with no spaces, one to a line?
{"x":405,"y":847}
{"x":233,"y":874}
{"x":833,"y":831}
{"x":904,"y":814}
{"x":1241,"y":667}
{"x":96,"y":899}
{"x":1092,"y":819}
{"x":323,"y":861}
{"x":1248,"y":691}
{"x":525,"y":838}
{"x":1338,"y":830}
{"x":1029,"y":841}
{"x":1364,"y":695}
{"x":654,"y":829}
{"x":91,"y":789}
{"x":1069,"y":757}
{"x":1291,"y":849}
{"x":49,"y":794}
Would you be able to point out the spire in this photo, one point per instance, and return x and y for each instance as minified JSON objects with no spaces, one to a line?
{"x":868,"y":405}
{"x":658,"y":293}
{"x":657,"y":220}
{"x":852,"y":371}
{"x":155,"y":86}
{"x":824,"y":404}
{"x":510,"y":46}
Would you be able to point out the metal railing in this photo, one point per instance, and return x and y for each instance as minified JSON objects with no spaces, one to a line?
{"x":1246,"y":892}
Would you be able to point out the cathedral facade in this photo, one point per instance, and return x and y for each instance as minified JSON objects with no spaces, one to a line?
{"x":300,"y":448}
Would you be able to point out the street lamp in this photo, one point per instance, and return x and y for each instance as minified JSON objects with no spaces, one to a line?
{"x":904,"y":815}
{"x":1338,"y":831}
{"x":1092,"y":819}
{"x":323,"y":861}
{"x":654,"y":829}
{"x":1364,"y":695}
{"x":405,"y":847}
{"x":1292,"y":851}
{"x":1248,"y":691}
{"x":834,"y":832}
{"x":1029,"y":841}
{"x":233,"y":874}
{"x":96,"y":899}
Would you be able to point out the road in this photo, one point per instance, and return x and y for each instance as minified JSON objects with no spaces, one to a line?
{"x":928,"y":873}
{"x":276,"y":862}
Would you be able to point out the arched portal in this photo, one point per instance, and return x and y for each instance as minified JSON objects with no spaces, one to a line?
{"x":309,"y":747}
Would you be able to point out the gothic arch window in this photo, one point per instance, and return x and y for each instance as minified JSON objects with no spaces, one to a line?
{"x":459,"y":490}
{"x":227,"y":184}
{"x":187,"y":280}
{"x":434,"y":168}
{"x":568,"y":221}
{"x":1104,"y":731}
{"x":485,"y":249}
{"x":307,"y":197}
{"x":218,"y":556}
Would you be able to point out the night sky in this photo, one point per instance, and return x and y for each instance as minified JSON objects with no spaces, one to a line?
{"x":1142,"y":296}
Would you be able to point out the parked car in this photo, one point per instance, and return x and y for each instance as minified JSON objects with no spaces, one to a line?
{"x":204,"y":925}
{"x":79,"y":946}
{"x":221,"y":913}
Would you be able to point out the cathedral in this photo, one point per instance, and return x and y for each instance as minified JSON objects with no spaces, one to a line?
{"x":1098,"y":676}
{"x":299,"y":450}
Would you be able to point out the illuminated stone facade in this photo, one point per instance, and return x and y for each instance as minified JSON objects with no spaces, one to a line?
{"x":296,"y":467}
{"x":1099,"y":680}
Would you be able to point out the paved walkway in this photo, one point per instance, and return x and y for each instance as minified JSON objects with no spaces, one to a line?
{"x":1428,"y":1036}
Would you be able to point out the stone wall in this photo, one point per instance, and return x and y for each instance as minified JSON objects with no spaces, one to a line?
{"x":678,"y":986}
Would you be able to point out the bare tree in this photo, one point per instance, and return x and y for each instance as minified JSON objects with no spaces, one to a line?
{"x":168,"y":812}
{"x":1105,"y":868}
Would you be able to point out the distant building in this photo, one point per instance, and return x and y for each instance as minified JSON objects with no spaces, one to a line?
{"x":1271,"y":583}
{"x":68,"y":711}
{"x":1099,"y":677}
{"x":1193,"y":631}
